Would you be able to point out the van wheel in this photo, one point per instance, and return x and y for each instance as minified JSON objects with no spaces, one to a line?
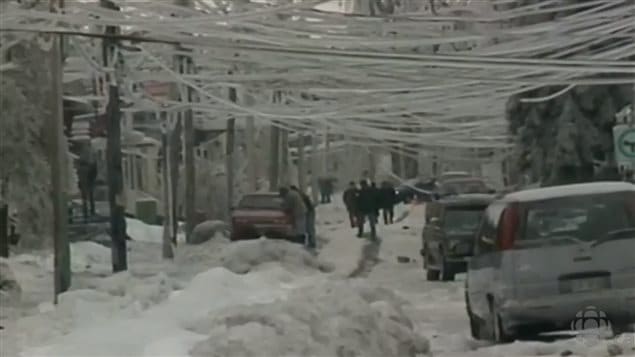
{"x":495,"y":325}
{"x":446,"y":272}
{"x":432,"y":275}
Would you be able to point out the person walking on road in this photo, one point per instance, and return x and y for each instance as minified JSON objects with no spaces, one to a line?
{"x":294,"y":207}
{"x":310,"y":218}
{"x":377,"y":198}
{"x":387,"y":202}
{"x":366,"y":210}
{"x":350,"y":201}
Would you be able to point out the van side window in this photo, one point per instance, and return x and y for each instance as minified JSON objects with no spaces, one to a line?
{"x":486,"y":237}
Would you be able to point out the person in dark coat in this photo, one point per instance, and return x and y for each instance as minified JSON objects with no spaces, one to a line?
{"x":387,"y":202}
{"x":310,"y":217}
{"x":377,"y":197}
{"x":294,"y":207}
{"x":350,"y":201}
{"x":366,"y":209}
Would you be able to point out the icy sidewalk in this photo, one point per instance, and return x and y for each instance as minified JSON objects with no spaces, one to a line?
{"x":343,"y":249}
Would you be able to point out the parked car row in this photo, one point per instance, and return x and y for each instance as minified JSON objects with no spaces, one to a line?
{"x":536,"y":258}
{"x":450,"y":183}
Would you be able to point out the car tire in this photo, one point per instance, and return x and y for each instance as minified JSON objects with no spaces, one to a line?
{"x":432,"y":275}
{"x":496,"y":332}
{"x":446,"y":273}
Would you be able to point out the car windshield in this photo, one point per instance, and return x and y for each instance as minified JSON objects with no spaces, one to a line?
{"x":261,"y":202}
{"x":586,"y":218}
{"x":462,"y":220}
{"x":464,"y":186}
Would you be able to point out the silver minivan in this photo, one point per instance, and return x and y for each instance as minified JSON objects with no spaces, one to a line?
{"x":543,"y":257}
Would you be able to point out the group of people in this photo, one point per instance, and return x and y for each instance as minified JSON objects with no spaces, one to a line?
{"x":299,"y":207}
{"x":365,"y":202}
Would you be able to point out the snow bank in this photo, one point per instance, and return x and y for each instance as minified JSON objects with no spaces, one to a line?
{"x":142,"y":232}
{"x":331,"y":318}
{"x":92,"y":323}
{"x":243,"y":256}
{"x":85,"y":257}
{"x":10,"y":290}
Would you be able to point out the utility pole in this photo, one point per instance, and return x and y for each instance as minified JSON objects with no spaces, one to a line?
{"x":113,"y":150}
{"x":284,"y":157}
{"x":229,"y":152}
{"x":314,"y":168}
{"x":167,"y":251}
{"x":274,"y":147}
{"x":252,"y":172}
{"x":190,"y":170}
{"x":327,"y":150}
{"x":301,"y":163}
{"x":185,"y":66}
{"x":62,"y":254}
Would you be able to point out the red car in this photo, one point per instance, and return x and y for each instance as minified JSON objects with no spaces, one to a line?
{"x":260,"y":214}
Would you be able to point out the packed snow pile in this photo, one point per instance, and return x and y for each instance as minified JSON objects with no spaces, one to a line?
{"x":243,"y":256}
{"x":207,"y":230}
{"x":331,"y":318}
{"x":9,"y":288}
{"x":142,"y":232}
{"x":95,"y":323}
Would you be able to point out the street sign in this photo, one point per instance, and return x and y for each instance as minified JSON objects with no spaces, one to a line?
{"x":624,"y":146}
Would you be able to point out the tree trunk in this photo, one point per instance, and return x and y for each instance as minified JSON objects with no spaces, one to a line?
{"x":301,"y":164}
{"x":168,"y":252}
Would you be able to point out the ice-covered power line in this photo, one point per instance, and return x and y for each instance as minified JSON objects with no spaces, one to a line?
{"x":367,"y":72}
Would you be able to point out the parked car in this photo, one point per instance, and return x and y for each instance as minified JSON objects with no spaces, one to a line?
{"x":464,"y":185}
{"x":422,"y":190}
{"x":448,"y":236}
{"x":543,"y":256}
{"x":260,"y":214}
{"x":449,"y":175}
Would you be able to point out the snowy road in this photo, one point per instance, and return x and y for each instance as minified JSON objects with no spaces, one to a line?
{"x":261,"y":297}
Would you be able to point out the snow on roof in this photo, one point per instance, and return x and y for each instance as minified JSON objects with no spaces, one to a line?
{"x":570,"y":190}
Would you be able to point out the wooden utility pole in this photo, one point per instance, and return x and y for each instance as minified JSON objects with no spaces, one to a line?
{"x":284,"y":157}
{"x":190,"y":170}
{"x":315,"y":168}
{"x":327,"y":150}
{"x":301,"y":164}
{"x":59,"y":167}
{"x":252,"y":170}
{"x":4,"y":229}
{"x":229,"y":152}
{"x":168,"y":252}
{"x":113,"y":151}
{"x":274,"y":147}
{"x":185,"y":65}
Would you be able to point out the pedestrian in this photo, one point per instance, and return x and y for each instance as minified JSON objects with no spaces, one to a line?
{"x":310,"y":218}
{"x":322,"y":187}
{"x":350,"y":201}
{"x":377,"y":198}
{"x":329,"y":188}
{"x":294,"y":207}
{"x":366,"y":209}
{"x":387,"y":202}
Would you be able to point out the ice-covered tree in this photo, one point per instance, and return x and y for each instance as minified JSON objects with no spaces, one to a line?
{"x":566,"y":138}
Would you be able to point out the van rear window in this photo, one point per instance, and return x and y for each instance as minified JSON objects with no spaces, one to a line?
{"x":583,"y":218}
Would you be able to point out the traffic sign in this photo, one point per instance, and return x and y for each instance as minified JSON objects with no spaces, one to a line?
{"x":624,"y":145}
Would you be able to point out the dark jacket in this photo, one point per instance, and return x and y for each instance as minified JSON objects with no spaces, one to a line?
{"x":387,"y":197}
{"x":350,"y":198}
{"x":308,"y":204}
{"x":367,"y":201}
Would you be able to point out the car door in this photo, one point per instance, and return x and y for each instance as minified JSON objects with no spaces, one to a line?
{"x":482,"y":266}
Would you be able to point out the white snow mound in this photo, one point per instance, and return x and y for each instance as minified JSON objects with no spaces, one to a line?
{"x":332,"y":318}
{"x":244,"y":256}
